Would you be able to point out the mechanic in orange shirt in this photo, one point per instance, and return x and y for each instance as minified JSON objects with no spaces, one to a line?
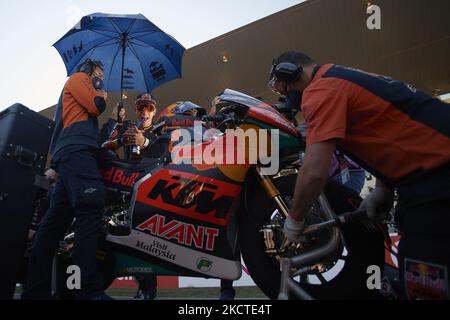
{"x":399,"y":134}
{"x":79,"y":192}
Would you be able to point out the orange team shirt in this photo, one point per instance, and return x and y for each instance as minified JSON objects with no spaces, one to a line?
{"x":390,"y":128}
{"x":78,"y":101}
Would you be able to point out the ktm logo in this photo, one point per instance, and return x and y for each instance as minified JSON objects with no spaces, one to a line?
{"x":187,"y":194}
{"x":193,"y":194}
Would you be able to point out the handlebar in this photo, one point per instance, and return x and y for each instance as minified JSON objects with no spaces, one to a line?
{"x":220,"y":119}
{"x":216,"y":118}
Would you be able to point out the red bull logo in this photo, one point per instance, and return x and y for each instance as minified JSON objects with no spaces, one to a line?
{"x":119,"y":176}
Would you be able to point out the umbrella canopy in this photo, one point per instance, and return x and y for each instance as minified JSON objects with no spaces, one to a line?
{"x":136,"y":55}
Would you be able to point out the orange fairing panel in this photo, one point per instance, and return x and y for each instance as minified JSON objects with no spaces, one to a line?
{"x":191,"y":195}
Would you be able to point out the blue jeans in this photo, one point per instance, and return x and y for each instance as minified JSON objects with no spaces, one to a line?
{"x":78,"y":193}
{"x":356,"y":181}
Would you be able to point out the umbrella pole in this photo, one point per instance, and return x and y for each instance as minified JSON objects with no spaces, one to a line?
{"x":123,"y":41}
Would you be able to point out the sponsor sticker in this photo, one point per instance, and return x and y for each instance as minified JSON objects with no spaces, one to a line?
{"x":204,"y":264}
{"x":119,"y":176}
{"x":156,"y":249}
{"x":183,"y":233}
{"x":137,"y":270}
{"x":190,"y":195}
{"x":426,"y":281}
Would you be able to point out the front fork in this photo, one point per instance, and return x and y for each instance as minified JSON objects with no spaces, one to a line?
{"x":303,"y":261}
{"x":272,"y":192}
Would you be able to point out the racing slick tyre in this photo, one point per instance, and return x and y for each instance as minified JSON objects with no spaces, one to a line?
{"x":347,"y":277}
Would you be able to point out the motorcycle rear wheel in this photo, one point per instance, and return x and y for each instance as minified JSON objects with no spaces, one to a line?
{"x":362,"y":248}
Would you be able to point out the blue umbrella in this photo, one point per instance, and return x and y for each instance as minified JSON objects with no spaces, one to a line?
{"x":136,"y":54}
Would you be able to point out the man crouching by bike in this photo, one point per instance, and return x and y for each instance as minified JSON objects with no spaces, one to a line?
{"x":399,"y":134}
{"x":79,"y":191}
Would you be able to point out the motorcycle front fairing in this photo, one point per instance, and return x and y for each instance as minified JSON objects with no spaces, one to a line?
{"x":184,"y":218}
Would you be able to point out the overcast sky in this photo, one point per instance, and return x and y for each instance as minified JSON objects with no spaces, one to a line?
{"x":32,"y":71}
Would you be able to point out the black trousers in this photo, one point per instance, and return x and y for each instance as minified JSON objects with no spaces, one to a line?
{"x":78,"y":194}
{"x":226,"y":285}
{"x":147,"y":284}
{"x":424,"y":249}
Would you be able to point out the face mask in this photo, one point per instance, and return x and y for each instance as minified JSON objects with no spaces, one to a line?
{"x":97,"y":83}
{"x":294,"y":99}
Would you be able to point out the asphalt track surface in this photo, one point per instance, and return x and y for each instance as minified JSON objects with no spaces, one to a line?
{"x":17,"y":297}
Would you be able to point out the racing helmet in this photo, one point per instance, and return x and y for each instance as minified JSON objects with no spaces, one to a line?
{"x":190,"y":109}
{"x":178,"y":115}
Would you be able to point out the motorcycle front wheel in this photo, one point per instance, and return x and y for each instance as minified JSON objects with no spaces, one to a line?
{"x":346,"y":279}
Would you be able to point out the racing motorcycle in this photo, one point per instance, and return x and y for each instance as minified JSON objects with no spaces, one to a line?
{"x":196,"y":219}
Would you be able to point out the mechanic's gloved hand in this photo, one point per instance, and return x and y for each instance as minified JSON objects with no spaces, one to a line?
{"x":293,"y":229}
{"x":51,"y":175}
{"x":378,"y":203}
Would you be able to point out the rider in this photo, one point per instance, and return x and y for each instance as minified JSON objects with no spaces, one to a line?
{"x":134,"y":134}
{"x":124,"y":133}
{"x":79,"y":190}
{"x":394,"y":131}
